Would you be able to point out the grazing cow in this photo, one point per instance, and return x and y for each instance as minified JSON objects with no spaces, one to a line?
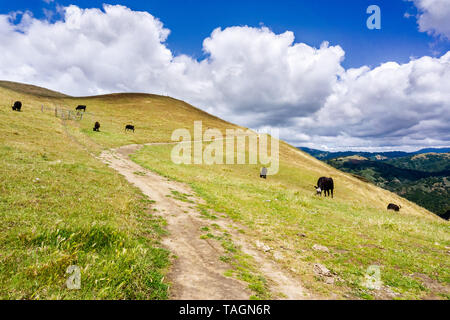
{"x":325,"y":185}
{"x":97,"y":127}
{"x":81,"y":108}
{"x":263,"y":174}
{"x":129,"y":127}
{"x":394,"y":207}
{"x":17,"y":106}
{"x":446,"y":215}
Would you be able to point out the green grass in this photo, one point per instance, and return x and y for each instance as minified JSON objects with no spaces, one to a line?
{"x":355,"y":226}
{"x":60,"y":206}
{"x":182,"y":196}
{"x":410,"y":177}
{"x":79,"y":212}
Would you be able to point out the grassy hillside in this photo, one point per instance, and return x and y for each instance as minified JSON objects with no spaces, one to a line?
{"x":30,"y":90}
{"x":429,"y":162}
{"x":80,"y":212}
{"x":355,"y":226}
{"x":423,"y":179}
{"x":60,"y":206}
{"x":328,"y":155}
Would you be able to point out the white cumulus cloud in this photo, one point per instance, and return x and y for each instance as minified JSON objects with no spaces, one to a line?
{"x":391,"y":105}
{"x":261,"y":78}
{"x":251,"y":76}
{"x":89,"y":52}
{"x":434,"y":16}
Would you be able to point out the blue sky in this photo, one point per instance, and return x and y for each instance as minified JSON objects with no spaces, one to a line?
{"x":339,"y":22}
{"x":311,"y":69}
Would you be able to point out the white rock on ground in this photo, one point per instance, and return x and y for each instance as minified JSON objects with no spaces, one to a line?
{"x":318,"y":247}
{"x":321,"y":270}
{"x":262,"y":246}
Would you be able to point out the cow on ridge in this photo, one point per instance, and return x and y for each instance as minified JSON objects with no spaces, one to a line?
{"x":325,"y":185}
{"x":97,"y":127}
{"x":394,"y":207}
{"x":17,"y":106}
{"x":81,"y":108}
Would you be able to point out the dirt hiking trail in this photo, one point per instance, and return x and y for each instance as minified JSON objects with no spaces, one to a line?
{"x":197,"y":273}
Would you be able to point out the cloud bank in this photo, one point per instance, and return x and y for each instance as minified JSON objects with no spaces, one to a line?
{"x":250,"y":76}
{"x":434,"y":17}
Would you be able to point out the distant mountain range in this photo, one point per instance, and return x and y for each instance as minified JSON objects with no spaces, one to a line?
{"x":326,"y":155}
{"x":422,"y":176}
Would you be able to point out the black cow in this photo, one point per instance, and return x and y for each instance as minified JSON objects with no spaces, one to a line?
{"x":394,"y":207}
{"x":97,"y":127}
{"x":446,"y":215}
{"x":325,"y":185}
{"x":17,"y":106}
{"x":81,"y":108}
{"x":129,"y":127}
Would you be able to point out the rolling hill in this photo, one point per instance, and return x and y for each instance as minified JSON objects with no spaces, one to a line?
{"x":423,"y":178}
{"x":328,"y":155}
{"x":61,"y":205}
{"x":428,"y":162}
